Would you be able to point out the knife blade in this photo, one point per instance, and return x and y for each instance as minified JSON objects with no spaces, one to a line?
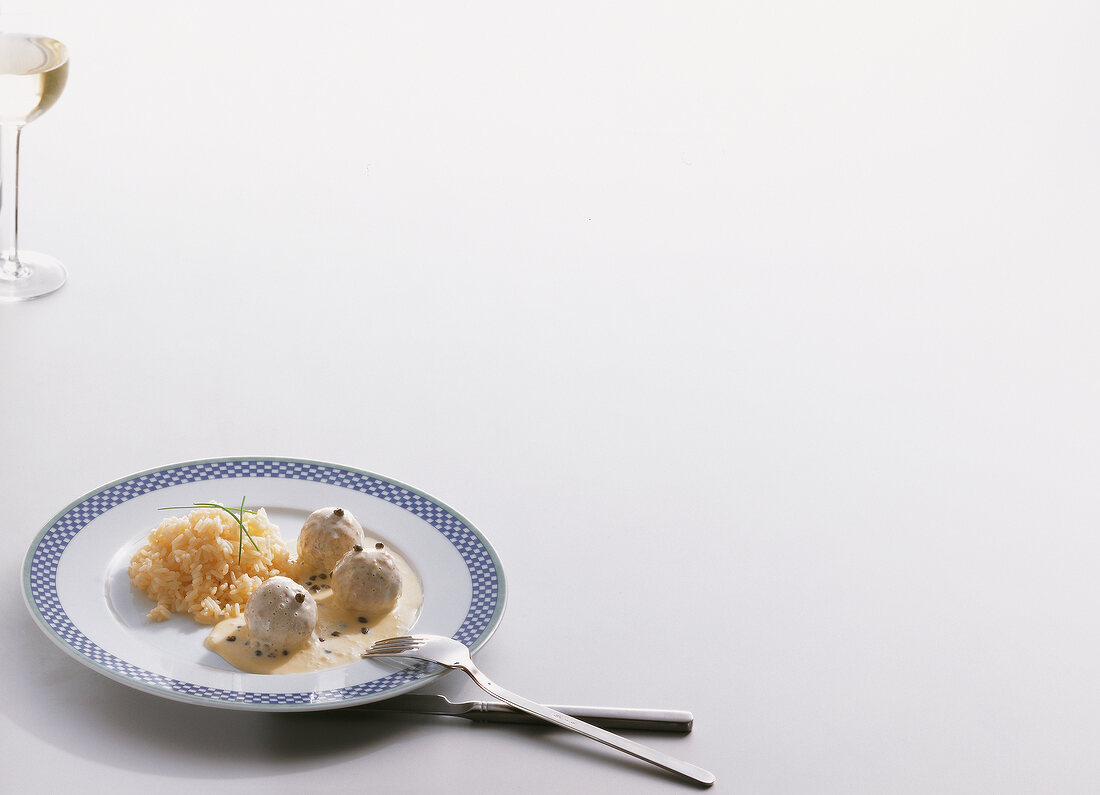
{"x":667,"y":720}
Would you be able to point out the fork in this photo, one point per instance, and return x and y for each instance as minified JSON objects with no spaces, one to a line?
{"x":453,"y":654}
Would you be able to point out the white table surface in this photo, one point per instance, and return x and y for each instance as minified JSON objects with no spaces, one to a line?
{"x":761,"y":339}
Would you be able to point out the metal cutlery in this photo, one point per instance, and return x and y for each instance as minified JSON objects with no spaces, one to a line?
{"x":452,"y":654}
{"x":662,"y":720}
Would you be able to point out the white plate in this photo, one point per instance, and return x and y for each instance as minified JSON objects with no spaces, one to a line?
{"x":77,"y":588}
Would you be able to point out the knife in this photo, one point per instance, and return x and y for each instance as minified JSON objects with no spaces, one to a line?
{"x":667,"y":720}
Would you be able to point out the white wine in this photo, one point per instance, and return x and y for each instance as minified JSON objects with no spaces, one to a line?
{"x":33,"y":71}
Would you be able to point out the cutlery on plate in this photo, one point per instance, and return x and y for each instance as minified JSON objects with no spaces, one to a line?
{"x":660,"y":720}
{"x":452,"y":654}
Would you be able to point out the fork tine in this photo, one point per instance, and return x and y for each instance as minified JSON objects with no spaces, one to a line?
{"x":391,"y":650}
{"x":400,"y":640}
{"x":394,"y":645}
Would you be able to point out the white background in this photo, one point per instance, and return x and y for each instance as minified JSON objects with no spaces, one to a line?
{"x":760,"y":338}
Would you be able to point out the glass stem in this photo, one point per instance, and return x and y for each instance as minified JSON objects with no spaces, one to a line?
{"x":10,"y":267}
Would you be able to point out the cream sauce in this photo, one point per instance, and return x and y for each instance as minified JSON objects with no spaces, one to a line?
{"x":341,"y":635}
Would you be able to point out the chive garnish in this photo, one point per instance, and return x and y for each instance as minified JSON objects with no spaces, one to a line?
{"x":236,"y":513}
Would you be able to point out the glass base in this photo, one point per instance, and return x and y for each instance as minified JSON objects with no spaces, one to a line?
{"x":33,"y":276}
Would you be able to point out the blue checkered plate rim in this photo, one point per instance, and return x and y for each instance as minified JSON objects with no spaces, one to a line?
{"x":77,"y":588}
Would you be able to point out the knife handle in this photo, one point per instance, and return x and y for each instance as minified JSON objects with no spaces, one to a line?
{"x":664,"y":720}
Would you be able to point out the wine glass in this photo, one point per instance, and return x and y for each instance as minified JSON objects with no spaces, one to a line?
{"x":33,"y":71}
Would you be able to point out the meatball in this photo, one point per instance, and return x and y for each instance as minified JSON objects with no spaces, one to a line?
{"x":367,"y":581}
{"x":328,"y":535}
{"x":281,"y":615}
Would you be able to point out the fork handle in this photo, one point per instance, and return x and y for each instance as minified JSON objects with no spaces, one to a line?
{"x":638,"y":750}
